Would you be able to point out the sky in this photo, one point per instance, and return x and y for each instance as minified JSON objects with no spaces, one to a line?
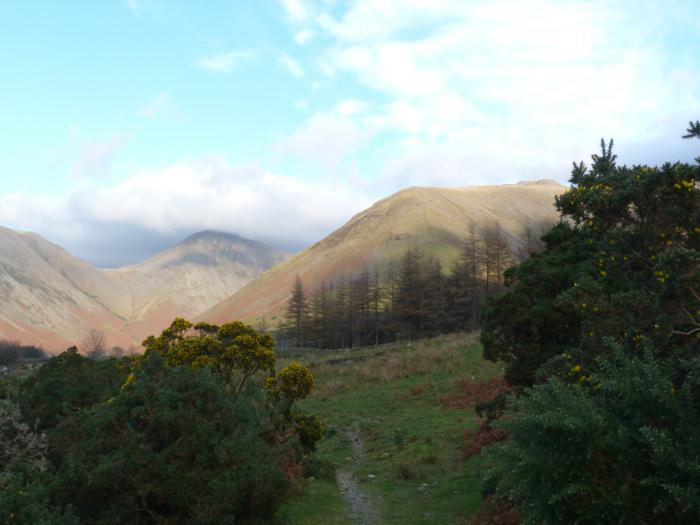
{"x":126,"y":125}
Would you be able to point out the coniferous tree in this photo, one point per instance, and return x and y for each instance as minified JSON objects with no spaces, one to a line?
{"x":376,"y":299}
{"x":297,"y":314}
{"x":465,"y":284}
{"x":410,"y":314}
{"x":438,"y":315}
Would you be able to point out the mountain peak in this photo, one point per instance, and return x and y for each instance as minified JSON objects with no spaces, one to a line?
{"x":539,"y":182}
{"x":53,"y":299}
{"x":215,"y":235}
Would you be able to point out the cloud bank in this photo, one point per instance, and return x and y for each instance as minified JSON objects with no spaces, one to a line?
{"x":161,"y":206}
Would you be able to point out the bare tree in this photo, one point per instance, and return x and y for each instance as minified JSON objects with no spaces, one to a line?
{"x":94,"y":344}
{"x":497,"y":256}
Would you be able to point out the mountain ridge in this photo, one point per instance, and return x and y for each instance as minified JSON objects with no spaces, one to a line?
{"x":435,"y":219}
{"x":53,"y":298}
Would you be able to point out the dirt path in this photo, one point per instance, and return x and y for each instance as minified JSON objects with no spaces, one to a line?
{"x":359,"y":506}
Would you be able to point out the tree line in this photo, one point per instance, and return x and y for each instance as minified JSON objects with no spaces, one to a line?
{"x":13,"y":352}
{"x":411,"y":299}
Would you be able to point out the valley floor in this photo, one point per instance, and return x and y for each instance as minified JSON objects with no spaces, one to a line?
{"x":395,"y":418}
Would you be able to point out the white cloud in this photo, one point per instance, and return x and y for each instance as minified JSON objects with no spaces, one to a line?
{"x":292,"y":65}
{"x":350,"y":107}
{"x":297,"y":10}
{"x":154,"y":107}
{"x":225,"y":62}
{"x":191,"y":195}
{"x":303,"y":36}
{"x":530,"y":82}
{"x":325,"y":140}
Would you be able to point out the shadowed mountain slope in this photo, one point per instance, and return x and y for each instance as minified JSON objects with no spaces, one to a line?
{"x":433,"y":219}
{"x":50,"y":298}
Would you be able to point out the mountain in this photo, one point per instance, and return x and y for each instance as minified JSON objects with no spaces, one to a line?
{"x":190,"y":277}
{"x":434,"y":219}
{"x":51,"y":298}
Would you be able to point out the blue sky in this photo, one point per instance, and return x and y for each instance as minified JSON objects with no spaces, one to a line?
{"x":128,"y":124}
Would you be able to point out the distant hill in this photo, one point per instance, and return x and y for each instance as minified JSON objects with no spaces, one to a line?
{"x":433,"y":219}
{"x":52,"y":299}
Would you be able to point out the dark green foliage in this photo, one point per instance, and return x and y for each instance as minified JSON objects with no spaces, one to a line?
{"x":534,"y":321}
{"x":198,"y":430}
{"x":172,"y":447}
{"x":310,"y":430}
{"x":628,"y":266}
{"x":416,"y":300}
{"x":607,"y":320}
{"x":68,"y":383}
{"x":26,"y":479}
{"x":620,"y":447}
{"x":12,"y":352}
{"x":298,"y":314}
{"x":25,"y":498}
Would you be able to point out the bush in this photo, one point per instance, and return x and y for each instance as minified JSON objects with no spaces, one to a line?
{"x":607,"y":321}
{"x":172,"y":447}
{"x":25,"y":477}
{"x":68,"y":383}
{"x":188,"y":433}
{"x":621,"y":447}
{"x":626,"y":265}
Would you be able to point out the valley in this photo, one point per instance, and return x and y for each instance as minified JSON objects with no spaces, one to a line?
{"x":53,"y":299}
{"x":392,"y":436}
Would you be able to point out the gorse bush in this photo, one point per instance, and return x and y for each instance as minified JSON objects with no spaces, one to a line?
{"x":69,"y":383}
{"x":605,"y":323}
{"x":175,"y":447}
{"x":26,"y":478}
{"x":626,"y":265}
{"x":200,"y":429}
{"x":621,"y":447}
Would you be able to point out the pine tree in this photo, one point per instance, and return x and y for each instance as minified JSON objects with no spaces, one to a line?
{"x":438,"y":315}
{"x":376,"y":299}
{"x":465,"y":284}
{"x":410,"y":314}
{"x":298,"y":314}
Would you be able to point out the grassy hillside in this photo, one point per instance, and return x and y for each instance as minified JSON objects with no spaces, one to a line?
{"x":396,"y":416}
{"x":433,"y":219}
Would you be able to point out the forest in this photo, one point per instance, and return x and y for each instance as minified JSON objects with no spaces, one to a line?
{"x":412,"y":299}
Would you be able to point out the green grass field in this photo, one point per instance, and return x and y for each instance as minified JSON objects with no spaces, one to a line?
{"x":410,"y":467}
